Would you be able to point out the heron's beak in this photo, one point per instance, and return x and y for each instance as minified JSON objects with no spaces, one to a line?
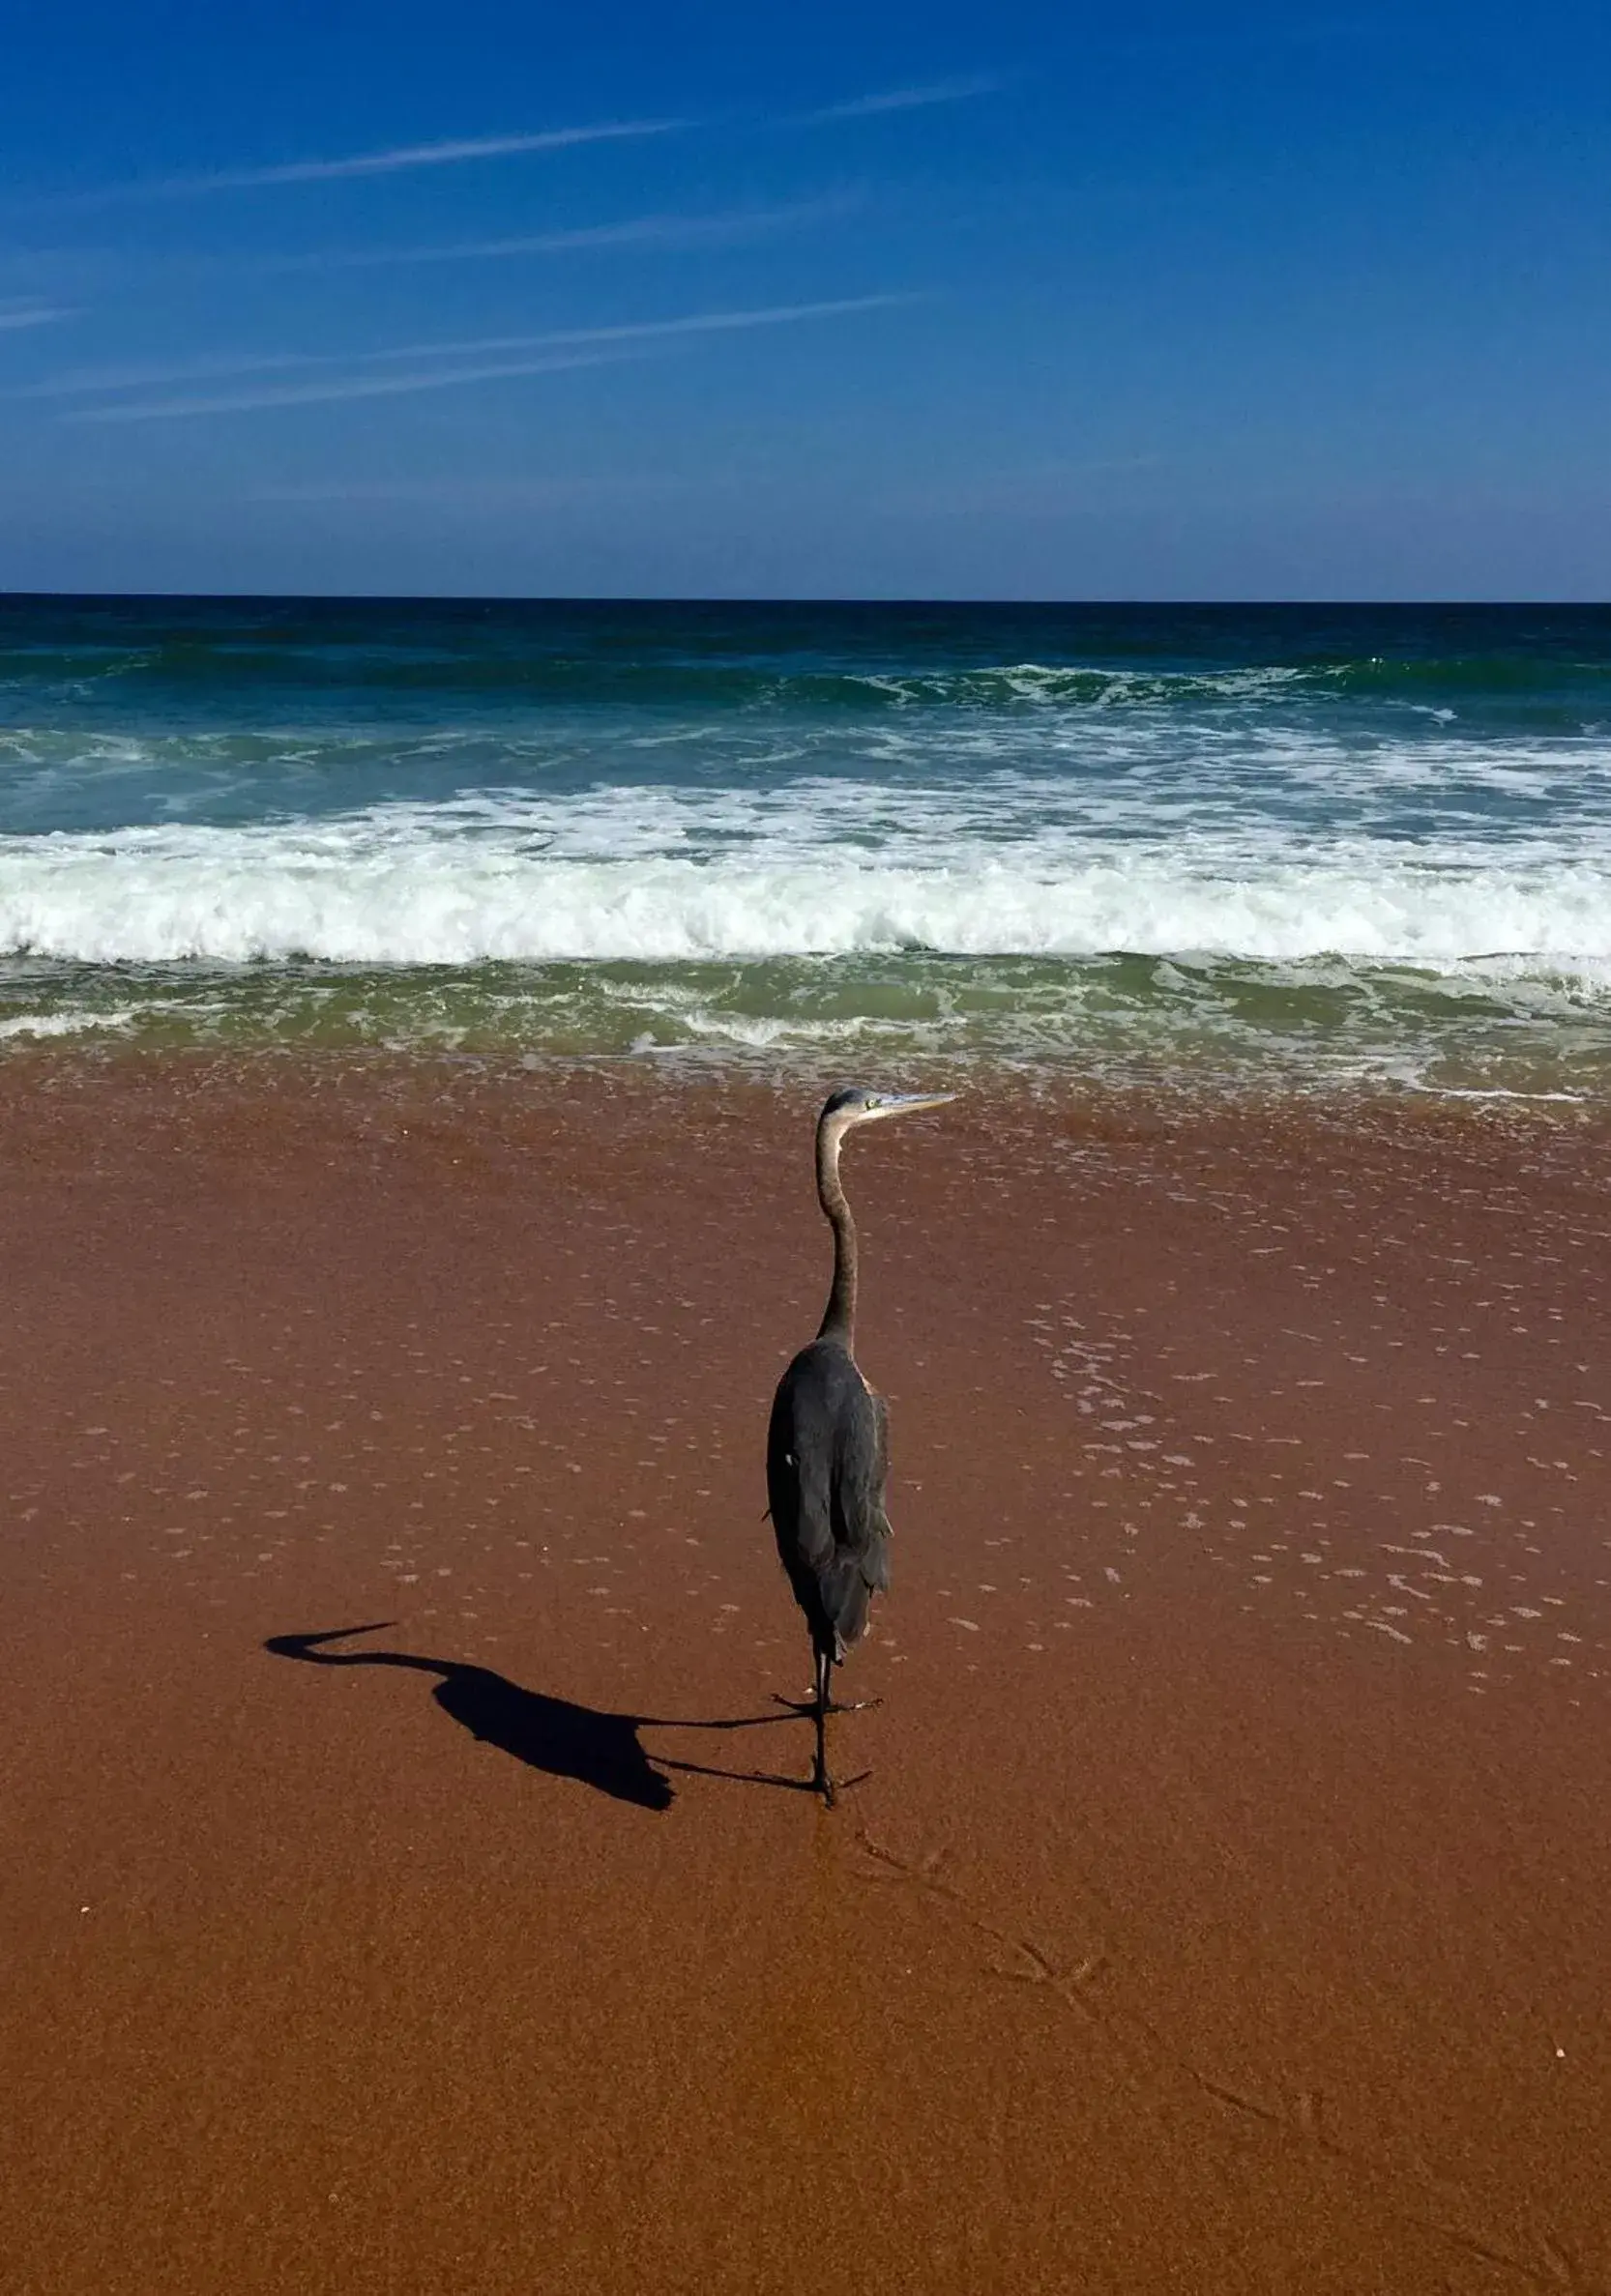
{"x":903,"y":1104}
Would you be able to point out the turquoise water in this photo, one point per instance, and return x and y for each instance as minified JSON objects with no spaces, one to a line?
{"x":1313,"y":844}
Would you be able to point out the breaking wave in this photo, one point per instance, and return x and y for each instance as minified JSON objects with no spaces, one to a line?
{"x":641,"y":878}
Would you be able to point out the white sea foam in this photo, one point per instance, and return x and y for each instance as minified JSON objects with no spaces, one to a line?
{"x":66,"y":1023}
{"x":673,"y":876}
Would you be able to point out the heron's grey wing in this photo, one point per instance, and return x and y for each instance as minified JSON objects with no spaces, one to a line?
{"x":826,"y":1455}
{"x":800,"y":1464}
{"x":861,"y":1466}
{"x":860,"y":1562}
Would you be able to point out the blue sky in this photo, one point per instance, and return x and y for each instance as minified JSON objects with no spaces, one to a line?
{"x":1025,"y":300}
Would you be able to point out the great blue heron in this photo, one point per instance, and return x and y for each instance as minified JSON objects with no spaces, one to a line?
{"x":827,"y":1443}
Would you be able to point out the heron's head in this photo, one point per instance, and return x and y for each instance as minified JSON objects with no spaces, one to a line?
{"x":856,"y":1105}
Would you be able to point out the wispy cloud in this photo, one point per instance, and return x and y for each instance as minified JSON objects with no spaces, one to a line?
{"x":668,"y":230}
{"x":393,"y":161}
{"x":457,"y":150}
{"x":1053,"y":490}
{"x":91,"y":381}
{"x":14,"y":315}
{"x":328,"y":393}
{"x":494,"y":357}
{"x":476,"y":494}
{"x":911,"y":99}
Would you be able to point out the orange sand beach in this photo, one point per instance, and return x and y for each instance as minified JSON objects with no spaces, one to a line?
{"x":1225,"y":1906}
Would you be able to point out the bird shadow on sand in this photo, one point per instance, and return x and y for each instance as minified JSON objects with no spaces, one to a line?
{"x":593,"y":1746}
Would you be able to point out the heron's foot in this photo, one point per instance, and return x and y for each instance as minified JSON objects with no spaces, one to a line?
{"x":830,"y":1788}
{"x":833,"y":1705}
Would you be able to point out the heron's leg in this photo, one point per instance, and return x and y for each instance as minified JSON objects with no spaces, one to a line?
{"x":821,"y":1782}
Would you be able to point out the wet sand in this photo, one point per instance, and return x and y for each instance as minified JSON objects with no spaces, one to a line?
{"x":1226,"y":1906}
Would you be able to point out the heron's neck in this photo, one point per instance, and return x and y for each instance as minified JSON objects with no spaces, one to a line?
{"x":839,"y":1316}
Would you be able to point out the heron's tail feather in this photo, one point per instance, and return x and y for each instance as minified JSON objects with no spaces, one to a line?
{"x":847,"y":1588}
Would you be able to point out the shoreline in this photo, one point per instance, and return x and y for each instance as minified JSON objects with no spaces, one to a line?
{"x":1222,"y":1910}
{"x":1068,"y":1079}
{"x":1246,"y":1039}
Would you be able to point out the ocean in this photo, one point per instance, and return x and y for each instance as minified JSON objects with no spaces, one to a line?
{"x":1225,"y":846}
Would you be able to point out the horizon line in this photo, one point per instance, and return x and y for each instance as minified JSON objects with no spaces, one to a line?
{"x":725,"y":599}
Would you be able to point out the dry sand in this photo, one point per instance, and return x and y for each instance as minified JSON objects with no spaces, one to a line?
{"x":1225,"y":1910}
